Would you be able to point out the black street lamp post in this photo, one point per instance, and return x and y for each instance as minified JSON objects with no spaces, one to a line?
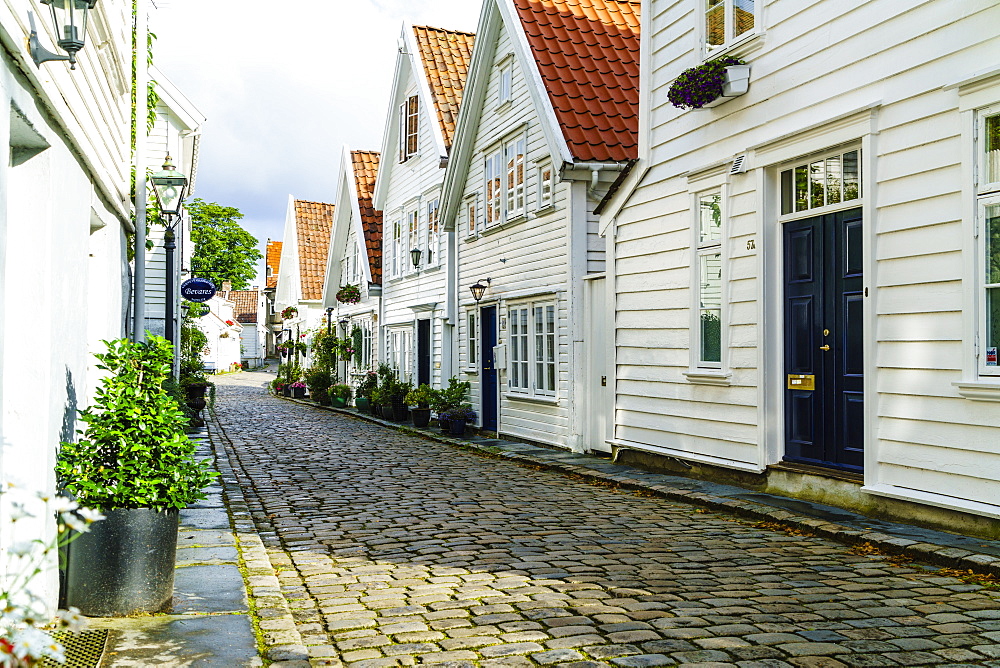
{"x":169,"y":185}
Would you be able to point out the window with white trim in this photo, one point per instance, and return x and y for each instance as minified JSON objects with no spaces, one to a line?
{"x":399,"y":347}
{"x":988,"y":239}
{"x":532,"y":348}
{"x":728,"y":21}
{"x":409,"y":128}
{"x":412,"y":239}
{"x":505,"y":83}
{"x":831,"y":179}
{"x":709,"y":270}
{"x":494,"y":189}
{"x":472,"y":338}
{"x":395,"y":248}
{"x":433,"y":255}
{"x":514,"y":155}
{"x":545,"y":180}
{"x":472,"y":216}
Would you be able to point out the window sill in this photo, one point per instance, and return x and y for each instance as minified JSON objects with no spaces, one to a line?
{"x":743,"y":47}
{"x":545,"y":210}
{"x":471,"y":372}
{"x":531,"y":399}
{"x":980,"y":390}
{"x":709,"y":377}
{"x":520,"y":218}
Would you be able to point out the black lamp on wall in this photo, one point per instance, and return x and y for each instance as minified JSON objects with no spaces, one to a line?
{"x":478,"y":289}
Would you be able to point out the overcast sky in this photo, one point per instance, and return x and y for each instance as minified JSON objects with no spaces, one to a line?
{"x":284,"y":85}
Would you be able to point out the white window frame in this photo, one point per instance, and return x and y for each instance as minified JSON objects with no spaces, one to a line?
{"x":982,"y":169}
{"x":515,"y":194}
{"x":730,"y":40}
{"x":493,"y":190}
{"x":432,"y":255}
{"x":399,"y":350}
{"x":505,"y":82}
{"x":472,"y":339}
{"x":409,"y":128}
{"x":539,"y":349}
{"x":471,"y":214}
{"x":412,"y":237}
{"x":705,"y":249}
{"x":546,"y":187}
{"x":982,"y":286}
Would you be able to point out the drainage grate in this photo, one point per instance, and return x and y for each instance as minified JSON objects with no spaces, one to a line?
{"x":83,"y":649}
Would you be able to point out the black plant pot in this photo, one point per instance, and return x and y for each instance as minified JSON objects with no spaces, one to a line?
{"x":387,"y":412}
{"x":443,"y":423}
{"x":375,"y":409}
{"x":286,"y":391}
{"x":421,"y":417}
{"x":456,"y":426}
{"x":361,"y":403}
{"x":124,"y":565}
{"x":400,"y":411}
{"x":196,"y":396}
{"x":298,"y":393}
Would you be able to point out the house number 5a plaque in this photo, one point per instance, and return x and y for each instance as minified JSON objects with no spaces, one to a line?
{"x":752,"y":244}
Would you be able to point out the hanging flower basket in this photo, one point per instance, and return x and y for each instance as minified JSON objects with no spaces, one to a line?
{"x":710,"y":84}
{"x":289,"y":312}
{"x":349,"y":294}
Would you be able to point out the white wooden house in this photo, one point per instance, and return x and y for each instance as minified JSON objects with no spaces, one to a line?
{"x":355,"y":258}
{"x":250,"y":311}
{"x":302,"y":267}
{"x":176,"y":133}
{"x":804,"y":275}
{"x":548,"y":121}
{"x":64,"y":221}
{"x":416,"y":332}
{"x":223,"y":351}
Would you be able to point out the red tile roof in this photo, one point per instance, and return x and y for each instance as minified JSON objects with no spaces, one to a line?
{"x":588,"y":56}
{"x":445,"y":55}
{"x":313,"y":223}
{"x":273,"y":263}
{"x":246,"y":304}
{"x":365,"y":169}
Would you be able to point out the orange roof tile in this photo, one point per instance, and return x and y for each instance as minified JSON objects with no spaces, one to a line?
{"x":273,"y":263}
{"x":313,"y":223}
{"x":588,"y":56}
{"x":445,"y":55}
{"x":246,"y":304}
{"x":365,"y":169}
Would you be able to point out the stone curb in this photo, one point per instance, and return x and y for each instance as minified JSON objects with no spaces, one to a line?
{"x":939,"y":555}
{"x":272,"y":615}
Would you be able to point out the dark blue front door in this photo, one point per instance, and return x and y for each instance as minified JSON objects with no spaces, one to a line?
{"x":824,"y":340}
{"x":488,"y":380}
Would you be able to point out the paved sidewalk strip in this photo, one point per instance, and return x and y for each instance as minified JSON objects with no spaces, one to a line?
{"x":392,"y":549}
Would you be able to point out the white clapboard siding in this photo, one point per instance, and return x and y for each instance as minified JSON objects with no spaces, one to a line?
{"x":815,"y":61}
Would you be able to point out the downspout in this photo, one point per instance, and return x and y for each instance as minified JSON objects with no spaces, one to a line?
{"x":141,"y":113}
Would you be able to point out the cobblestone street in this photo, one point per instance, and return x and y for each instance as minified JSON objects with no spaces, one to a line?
{"x":395,"y":550}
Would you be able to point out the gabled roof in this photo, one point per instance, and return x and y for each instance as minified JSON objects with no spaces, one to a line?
{"x":313,"y":222}
{"x":245,"y":301}
{"x":587,"y":53}
{"x":273,"y":262}
{"x":445,"y":55}
{"x":365,"y":164}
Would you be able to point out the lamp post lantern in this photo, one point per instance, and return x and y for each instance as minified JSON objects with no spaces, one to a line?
{"x":170,"y":186}
{"x":415,"y":257}
{"x":69,"y":21}
{"x":478,"y":289}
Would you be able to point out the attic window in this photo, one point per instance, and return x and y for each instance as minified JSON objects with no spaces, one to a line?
{"x":408,"y":128}
{"x":505,"y":83}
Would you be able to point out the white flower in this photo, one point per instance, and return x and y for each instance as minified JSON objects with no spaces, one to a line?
{"x":18,"y":512}
{"x":22,"y":548}
{"x":61,"y":504}
{"x":75,"y":523}
{"x":90,"y":515}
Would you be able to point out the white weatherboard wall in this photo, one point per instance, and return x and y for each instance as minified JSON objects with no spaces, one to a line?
{"x":880,"y":76}
{"x":529,"y":260}
{"x":413,"y":293}
{"x":63,"y":268}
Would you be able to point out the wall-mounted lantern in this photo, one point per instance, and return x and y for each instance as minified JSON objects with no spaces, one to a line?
{"x":478,"y":289}
{"x":415,"y":257}
{"x":69,"y":21}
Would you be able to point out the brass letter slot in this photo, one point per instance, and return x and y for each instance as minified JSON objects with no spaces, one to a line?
{"x":800,"y":381}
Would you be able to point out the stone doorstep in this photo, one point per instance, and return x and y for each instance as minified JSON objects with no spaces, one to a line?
{"x":939,"y":555}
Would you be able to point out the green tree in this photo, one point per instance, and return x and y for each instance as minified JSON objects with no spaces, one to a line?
{"x":223,"y":251}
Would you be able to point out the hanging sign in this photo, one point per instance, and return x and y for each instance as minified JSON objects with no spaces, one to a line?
{"x":197,"y":290}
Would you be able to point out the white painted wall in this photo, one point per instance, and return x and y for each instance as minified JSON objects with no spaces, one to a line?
{"x":876,"y":74}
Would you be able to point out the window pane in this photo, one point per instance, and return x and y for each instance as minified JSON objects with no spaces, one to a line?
{"x":715,"y":23}
{"x":817,"y":177}
{"x":851,"y":174}
{"x":787,"y":191}
{"x":710,"y":301}
{"x":833,"y":180}
{"x":992,"y":167}
{"x":801,"y":188}
{"x":742,"y":16}
{"x":992,"y":226}
{"x":711,"y":336}
{"x":710,"y":218}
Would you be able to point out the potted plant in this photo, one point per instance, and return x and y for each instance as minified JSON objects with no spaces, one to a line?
{"x":139,"y":473}
{"x":420,"y":398}
{"x":349,"y":294}
{"x":340,"y":394}
{"x":457,"y":418}
{"x":318,"y":380}
{"x":289,"y":312}
{"x":363,"y":393}
{"x":298,"y":389}
{"x":710,"y":84}
{"x":400,"y":411}
{"x":378,"y":398}
{"x":447,"y":398}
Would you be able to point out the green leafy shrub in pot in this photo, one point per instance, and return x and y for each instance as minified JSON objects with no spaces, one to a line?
{"x":453,"y":396}
{"x":341,"y":391}
{"x":134,"y":452}
{"x":367,"y":384}
{"x":318,"y":380}
{"x":420,"y":396}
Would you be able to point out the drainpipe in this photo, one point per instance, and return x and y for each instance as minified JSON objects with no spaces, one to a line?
{"x":141,"y":113}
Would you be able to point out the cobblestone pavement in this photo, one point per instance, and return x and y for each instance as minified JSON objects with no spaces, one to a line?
{"x":395,"y":550}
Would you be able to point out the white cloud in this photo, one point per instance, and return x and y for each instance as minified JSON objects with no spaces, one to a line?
{"x":283,"y":91}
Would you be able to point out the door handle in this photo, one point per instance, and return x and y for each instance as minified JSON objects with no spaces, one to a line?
{"x":827,"y":347}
